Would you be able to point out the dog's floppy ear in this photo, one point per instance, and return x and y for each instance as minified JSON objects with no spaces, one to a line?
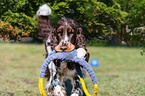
{"x":80,"y":39}
{"x":54,"y":40}
{"x":80,"y":42}
{"x":51,"y":40}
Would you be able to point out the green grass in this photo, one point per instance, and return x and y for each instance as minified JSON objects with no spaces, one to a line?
{"x":120,"y":73}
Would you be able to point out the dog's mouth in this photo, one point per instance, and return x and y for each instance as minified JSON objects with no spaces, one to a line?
{"x":67,"y":48}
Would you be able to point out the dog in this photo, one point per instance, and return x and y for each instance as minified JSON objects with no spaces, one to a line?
{"x":64,"y":37}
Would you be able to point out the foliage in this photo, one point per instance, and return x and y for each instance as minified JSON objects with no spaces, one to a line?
{"x":134,"y":25}
{"x":97,"y":18}
{"x":20,"y":25}
{"x":8,"y":31}
{"x":96,"y":42}
{"x":94,"y":17}
{"x":21,"y":16}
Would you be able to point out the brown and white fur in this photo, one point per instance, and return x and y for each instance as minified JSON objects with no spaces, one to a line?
{"x":65,"y":36}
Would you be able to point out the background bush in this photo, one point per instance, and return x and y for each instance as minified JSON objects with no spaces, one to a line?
{"x":96,"y":42}
{"x":97,"y":18}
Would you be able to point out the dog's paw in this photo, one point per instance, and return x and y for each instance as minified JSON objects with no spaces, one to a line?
{"x":50,"y":94}
{"x":59,"y":91}
{"x":77,"y":92}
{"x":74,"y":94}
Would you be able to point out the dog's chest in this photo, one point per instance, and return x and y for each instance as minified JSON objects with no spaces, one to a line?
{"x":65,"y":71}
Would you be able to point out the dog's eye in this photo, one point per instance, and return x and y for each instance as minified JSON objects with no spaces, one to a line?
{"x":69,"y":30}
{"x":60,"y":30}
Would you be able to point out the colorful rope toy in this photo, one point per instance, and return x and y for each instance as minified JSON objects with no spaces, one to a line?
{"x":68,"y":56}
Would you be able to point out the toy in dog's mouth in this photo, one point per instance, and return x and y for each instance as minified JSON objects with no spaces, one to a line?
{"x":69,"y":56}
{"x":67,"y":48}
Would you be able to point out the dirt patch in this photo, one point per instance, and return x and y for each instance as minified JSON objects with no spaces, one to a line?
{"x":29,"y":82}
{"x":7,"y":93}
{"x":27,"y":92}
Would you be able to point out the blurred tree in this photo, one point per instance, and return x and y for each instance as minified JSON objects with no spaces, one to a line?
{"x":19,"y":15}
{"x":97,"y":18}
{"x":94,"y":17}
{"x":109,"y":3}
{"x":132,"y":30}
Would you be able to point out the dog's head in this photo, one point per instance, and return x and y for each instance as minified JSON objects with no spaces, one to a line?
{"x":66,"y":30}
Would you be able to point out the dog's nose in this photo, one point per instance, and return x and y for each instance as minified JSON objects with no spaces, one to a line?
{"x":64,"y":43}
{"x":63,"y":48}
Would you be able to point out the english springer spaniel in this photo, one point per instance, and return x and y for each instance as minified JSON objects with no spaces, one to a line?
{"x":62,"y":77}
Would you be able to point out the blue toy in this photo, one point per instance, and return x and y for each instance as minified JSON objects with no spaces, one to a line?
{"x":94,"y":62}
{"x":68,"y":56}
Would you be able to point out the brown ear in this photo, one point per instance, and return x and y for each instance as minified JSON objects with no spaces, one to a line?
{"x":80,"y":42}
{"x":87,"y":56}
{"x":50,"y":40}
{"x":54,"y":40}
{"x":80,"y":39}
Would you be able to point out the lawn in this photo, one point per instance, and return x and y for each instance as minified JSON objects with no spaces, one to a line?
{"x":120,"y":73}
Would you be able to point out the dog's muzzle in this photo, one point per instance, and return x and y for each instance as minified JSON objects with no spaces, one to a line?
{"x":65,"y":46}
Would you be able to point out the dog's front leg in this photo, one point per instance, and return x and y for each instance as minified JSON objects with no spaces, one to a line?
{"x":77,"y":90}
{"x":58,"y":90}
{"x":52,"y":70}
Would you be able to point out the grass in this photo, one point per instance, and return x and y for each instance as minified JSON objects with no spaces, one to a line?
{"x":120,"y":73}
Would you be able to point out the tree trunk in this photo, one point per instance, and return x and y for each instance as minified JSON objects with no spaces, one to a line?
{"x":119,"y":38}
{"x":126,"y":34}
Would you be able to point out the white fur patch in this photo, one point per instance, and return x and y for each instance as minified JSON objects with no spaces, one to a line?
{"x":52,"y":70}
{"x":67,"y":74}
{"x":59,"y":91}
{"x":48,"y":47}
{"x":74,"y":94}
